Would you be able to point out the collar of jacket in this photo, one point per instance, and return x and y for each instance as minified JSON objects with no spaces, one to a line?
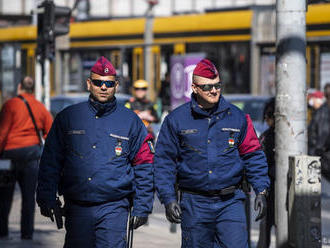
{"x":102,"y":108}
{"x":223,"y":105}
{"x":27,"y":95}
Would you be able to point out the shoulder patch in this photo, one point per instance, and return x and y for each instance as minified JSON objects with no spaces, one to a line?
{"x":151,"y":146}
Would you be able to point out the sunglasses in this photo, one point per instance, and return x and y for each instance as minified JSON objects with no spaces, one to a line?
{"x":144,"y":89}
{"x":99,"y":83}
{"x":208,"y":87}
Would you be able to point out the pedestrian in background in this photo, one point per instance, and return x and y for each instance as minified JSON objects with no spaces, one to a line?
{"x":165,"y":93}
{"x":315,"y":99}
{"x":203,"y":147}
{"x":20,"y":142}
{"x":99,"y":156}
{"x":319,"y":134}
{"x":267,"y":140}
{"x":141,"y":105}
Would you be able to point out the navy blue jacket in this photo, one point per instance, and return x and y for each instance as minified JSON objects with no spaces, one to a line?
{"x":97,"y":153}
{"x":207,"y":151}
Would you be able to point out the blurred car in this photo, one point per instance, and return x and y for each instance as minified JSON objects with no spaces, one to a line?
{"x":252,"y":105}
{"x":60,"y":102}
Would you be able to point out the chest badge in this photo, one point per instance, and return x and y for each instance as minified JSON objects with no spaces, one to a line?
{"x":118,"y":149}
{"x":231,"y":142}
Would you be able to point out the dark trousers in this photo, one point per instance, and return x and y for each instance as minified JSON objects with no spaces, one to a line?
{"x":99,"y":226}
{"x":214,"y":222}
{"x":25,"y":167}
{"x":268,"y":221}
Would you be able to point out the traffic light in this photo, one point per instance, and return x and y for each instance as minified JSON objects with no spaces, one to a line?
{"x":61,"y":20}
{"x":52,"y":21}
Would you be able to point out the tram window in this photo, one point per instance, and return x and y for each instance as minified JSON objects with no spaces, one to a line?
{"x":267,"y":74}
{"x":232,"y":60}
{"x":324,"y":66}
{"x":75,"y":82}
{"x":8,"y":75}
{"x":24,"y":69}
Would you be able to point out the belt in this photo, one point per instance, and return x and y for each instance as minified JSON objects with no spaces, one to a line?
{"x":93,"y":204}
{"x":85,"y":203}
{"x":221,"y":192}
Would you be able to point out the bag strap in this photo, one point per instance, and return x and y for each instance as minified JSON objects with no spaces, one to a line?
{"x":32,"y":117}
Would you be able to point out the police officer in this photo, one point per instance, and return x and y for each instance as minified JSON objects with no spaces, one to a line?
{"x":144,"y":108}
{"x":99,"y":165}
{"x":203,"y":147}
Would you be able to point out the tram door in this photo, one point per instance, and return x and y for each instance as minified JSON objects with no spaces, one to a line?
{"x":138,"y":64}
{"x":138,"y":69}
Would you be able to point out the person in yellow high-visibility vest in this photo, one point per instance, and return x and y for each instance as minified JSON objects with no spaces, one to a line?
{"x":143,"y":107}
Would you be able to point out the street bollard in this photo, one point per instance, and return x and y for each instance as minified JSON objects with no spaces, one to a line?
{"x":304,"y":202}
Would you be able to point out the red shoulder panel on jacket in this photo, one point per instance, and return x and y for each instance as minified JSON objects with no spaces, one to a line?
{"x":145,"y":154}
{"x":250,"y":142}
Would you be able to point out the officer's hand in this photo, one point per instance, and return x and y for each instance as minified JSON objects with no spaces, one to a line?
{"x":47,"y":212}
{"x":138,"y":221}
{"x":173,"y":212}
{"x":261,"y":204}
{"x":46,"y":208}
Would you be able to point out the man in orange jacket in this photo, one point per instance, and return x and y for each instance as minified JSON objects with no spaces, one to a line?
{"x":20,"y":143}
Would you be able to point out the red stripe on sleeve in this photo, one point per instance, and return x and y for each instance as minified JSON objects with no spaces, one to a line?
{"x":250,"y":142}
{"x":144,"y":155}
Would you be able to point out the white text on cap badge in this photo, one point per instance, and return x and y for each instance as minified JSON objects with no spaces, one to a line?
{"x":106,"y":70}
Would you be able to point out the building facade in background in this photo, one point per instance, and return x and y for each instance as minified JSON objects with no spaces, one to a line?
{"x":129,"y":8}
{"x":238,"y":36}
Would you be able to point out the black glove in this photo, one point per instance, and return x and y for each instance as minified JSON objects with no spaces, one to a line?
{"x":261,"y":204}
{"x":173,"y":212}
{"x":138,"y":221}
{"x":46,"y":211}
{"x":46,"y":208}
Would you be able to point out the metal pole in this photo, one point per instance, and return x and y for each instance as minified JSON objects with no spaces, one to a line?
{"x":172,"y":6}
{"x":111,"y":11}
{"x":148,"y":40}
{"x":193,"y":5}
{"x":290,"y":114}
{"x":38,"y":81}
{"x":47,"y":84}
{"x":214,"y":4}
{"x":34,"y":13}
{"x":254,"y":54}
{"x":132,"y":8}
{"x":23,"y":7}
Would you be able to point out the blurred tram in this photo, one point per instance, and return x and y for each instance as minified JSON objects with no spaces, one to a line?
{"x":240,"y":41}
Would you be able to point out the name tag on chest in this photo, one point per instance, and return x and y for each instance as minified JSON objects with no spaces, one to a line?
{"x":76,"y":132}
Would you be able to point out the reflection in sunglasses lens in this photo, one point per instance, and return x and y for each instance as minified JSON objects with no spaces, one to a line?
{"x":208,"y":87}
{"x":99,"y":83}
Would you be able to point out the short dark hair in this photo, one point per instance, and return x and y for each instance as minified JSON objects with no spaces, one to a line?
{"x":27,"y":84}
{"x":327,"y":85}
{"x":269,"y":108}
{"x":326,"y":90}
